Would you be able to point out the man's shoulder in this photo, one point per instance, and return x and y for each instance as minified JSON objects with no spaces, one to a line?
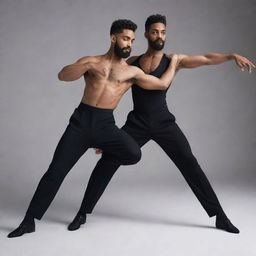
{"x":131,"y":67}
{"x":86,"y":59}
{"x":180,"y":55}
{"x":181,"y":58}
{"x":131,"y":59}
{"x":134,"y":70}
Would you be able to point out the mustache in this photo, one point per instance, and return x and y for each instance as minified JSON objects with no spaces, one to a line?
{"x":159,"y":40}
{"x":127,"y":48}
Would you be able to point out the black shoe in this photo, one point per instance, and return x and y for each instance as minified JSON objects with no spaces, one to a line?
{"x":77,"y":222}
{"x":222,"y":222}
{"x":24,"y":227}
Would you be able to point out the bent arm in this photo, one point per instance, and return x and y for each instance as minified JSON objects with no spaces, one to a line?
{"x":186,"y":61}
{"x":150,"y":82}
{"x":74,"y":71}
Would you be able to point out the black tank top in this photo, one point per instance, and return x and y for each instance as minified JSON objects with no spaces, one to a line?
{"x":146,"y":101}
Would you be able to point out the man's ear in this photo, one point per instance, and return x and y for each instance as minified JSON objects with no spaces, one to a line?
{"x":113,"y":38}
{"x":146,"y":34}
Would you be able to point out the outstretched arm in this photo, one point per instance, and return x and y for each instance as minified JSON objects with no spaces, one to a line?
{"x":186,"y":61}
{"x":74,"y":71}
{"x":150,"y":82}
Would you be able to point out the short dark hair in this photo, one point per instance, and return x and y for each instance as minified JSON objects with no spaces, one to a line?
{"x":118,"y":26}
{"x":154,"y":19}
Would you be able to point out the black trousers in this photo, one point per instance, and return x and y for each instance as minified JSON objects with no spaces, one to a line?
{"x":162,"y":128}
{"x":88,"y":127}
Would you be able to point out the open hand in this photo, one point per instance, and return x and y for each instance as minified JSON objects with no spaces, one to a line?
{"x":243,"y":63}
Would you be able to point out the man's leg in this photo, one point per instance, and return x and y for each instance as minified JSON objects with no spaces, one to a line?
{"x":174,"y":143}
{"x":101,"y":176}
{"x":70,"y":148}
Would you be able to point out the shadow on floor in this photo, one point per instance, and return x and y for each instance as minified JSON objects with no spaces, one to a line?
{"x":149,"y":219}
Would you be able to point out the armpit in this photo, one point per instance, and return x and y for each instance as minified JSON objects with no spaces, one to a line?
{"x":132,"y":80}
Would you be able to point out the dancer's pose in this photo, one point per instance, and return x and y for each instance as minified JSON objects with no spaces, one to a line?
{"x":151,"y":120}
{"x":92,"y":124}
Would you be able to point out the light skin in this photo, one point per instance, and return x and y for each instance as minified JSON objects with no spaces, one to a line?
{"x":108,"y":77}
{"x":151,"y":59}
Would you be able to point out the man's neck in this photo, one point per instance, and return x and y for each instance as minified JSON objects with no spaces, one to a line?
{"x":112,"y":57}
{"x":153,"y":53}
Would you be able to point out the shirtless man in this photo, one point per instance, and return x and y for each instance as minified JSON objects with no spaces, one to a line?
{"x":92,"y":124}
{"x":151,"y":120}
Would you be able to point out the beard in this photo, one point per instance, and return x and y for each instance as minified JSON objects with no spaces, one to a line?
{"x":158,"y":44}
{"x":122,"y":52}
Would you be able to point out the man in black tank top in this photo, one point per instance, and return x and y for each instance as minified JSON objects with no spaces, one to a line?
{"x":92,"y":124}
{"x":151,"y":120}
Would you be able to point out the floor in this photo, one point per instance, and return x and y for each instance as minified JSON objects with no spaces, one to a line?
{"x":145,"y":220}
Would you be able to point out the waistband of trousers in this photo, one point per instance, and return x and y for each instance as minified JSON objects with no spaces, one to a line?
{"x":151,"y":112}
{"x":86,"y":107}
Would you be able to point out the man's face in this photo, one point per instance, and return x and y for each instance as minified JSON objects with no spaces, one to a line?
{"x":123,"y":43}
{"x":156,"y":36}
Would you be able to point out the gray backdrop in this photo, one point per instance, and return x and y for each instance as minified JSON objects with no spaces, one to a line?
{"x":214,"y":106}
{"x":148,"y":209}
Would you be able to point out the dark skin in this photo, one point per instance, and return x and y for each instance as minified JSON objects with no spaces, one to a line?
{"x":151,"y":59}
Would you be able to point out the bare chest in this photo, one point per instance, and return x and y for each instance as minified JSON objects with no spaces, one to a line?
{"x":112,"y":74}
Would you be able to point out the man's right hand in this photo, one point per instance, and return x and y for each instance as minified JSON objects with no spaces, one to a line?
{"x":243,"y":62}
{"x":174,"y":58}
{"x":98,"y":151}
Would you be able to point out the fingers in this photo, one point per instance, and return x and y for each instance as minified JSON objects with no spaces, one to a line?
{"x":251,"y":63}
{"x":249,"y":66}
{"x":174,"y":59}
{"x":173,"y":56}
{"x":240,"y":65}
{"x":246,"y":65}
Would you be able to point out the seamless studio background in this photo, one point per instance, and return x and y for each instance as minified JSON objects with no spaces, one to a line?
{"x":214,"y":106}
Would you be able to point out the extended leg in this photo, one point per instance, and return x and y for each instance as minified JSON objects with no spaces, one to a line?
{"x":69,"y":149}
{"x":176,"y":146}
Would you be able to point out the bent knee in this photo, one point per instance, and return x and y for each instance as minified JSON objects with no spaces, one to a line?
{"x":134,"y":157}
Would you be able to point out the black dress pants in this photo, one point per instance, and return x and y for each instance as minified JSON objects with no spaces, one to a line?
{"x":88,"y":127}
{"x":162,"y":128}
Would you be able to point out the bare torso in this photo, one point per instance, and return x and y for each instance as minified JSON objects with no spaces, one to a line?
{"x":106,"y":82}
